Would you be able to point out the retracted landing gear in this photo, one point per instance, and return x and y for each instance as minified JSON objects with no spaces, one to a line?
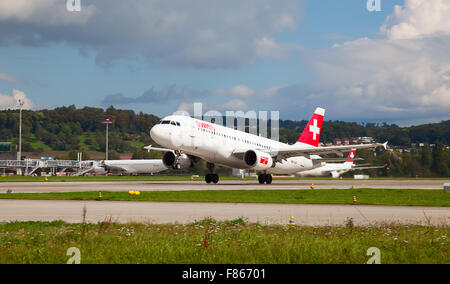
{"x":211,"y":178}
{"x":265,"y":178}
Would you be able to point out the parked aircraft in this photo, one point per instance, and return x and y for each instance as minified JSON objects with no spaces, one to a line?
{"x":335,"y":170}
{"x":134,"y":167}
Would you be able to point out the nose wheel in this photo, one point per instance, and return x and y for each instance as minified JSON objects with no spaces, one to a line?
{"x":265,"y":178}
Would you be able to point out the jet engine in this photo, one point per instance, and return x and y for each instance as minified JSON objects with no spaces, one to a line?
{"x":258,"y":160}
{"x":177,"y":162}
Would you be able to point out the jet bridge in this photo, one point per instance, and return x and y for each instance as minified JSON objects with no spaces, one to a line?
{"x":30,"y":166}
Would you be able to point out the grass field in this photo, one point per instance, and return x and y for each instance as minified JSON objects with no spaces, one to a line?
{"x":208,"y":241}
{"x":395,"y":197}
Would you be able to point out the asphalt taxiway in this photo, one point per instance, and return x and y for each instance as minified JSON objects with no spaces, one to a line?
{"x":188,"y":212}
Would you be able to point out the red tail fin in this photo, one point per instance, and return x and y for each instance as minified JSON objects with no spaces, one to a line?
{"x":351,"y":156}
{"x":311,"y":133}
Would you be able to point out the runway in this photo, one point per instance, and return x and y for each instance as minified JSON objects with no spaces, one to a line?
{"x":42,"y":187}
{"x":183,"y":212}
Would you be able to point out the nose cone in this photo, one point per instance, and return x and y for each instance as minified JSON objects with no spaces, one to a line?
{"x":156,"y":134}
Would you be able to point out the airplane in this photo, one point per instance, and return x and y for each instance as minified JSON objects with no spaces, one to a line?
{"x":335,"y":170}
{"x":135,"y":167}
{"x":132,"y":167}
{"x":188,"y":140}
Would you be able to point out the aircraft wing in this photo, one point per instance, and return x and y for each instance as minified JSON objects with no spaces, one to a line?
{"x":366,"y":168}
{"x":149,"y":147}
{"x":294,"y":151}
{"x":335,"y":160}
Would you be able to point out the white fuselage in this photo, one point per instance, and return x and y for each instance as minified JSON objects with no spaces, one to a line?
{"x":136,"y":166}
{"x":215,"y":144}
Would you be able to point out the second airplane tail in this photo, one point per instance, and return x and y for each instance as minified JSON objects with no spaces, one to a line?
{"x":351,"y":157}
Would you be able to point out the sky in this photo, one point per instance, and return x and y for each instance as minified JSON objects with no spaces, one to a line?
{"x":360,"y":61}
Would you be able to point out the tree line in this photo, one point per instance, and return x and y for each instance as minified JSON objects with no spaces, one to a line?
{"x":72,"y":130}
{"x":65,"y":128}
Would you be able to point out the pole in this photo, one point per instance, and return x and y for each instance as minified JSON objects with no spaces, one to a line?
{"x":20,"y":134}
{"x":107,"y":146}
{"x":19,"y":156}
{"x":107,"y":121}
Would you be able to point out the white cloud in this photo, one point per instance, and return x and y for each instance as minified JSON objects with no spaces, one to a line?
{"x":44,"y":12}
{"x":199,"y":33}
{"x":418,"y":18}
{"x":403,"y":76}
{"x":242,"y":91}
{"x":11,"y":101}
{"x":286,"y":21}
{"x":163,"y":96}
{"x":188,"y":109}
{"x":235,"y":104}
{"x":269,"y":47}
{"x":271,"y":92}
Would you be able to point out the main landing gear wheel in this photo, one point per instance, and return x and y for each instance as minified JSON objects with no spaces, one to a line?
{"x":265,"y":178}
{"x":212,"y":178}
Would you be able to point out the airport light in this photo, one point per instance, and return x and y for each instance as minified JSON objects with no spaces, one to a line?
{"x":19,"y":154}
{"x":107,"y":122}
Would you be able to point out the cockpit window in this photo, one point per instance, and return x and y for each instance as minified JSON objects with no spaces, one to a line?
{"x":176,"y":123}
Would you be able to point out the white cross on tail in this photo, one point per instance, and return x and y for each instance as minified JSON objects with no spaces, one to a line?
{"x":314,"y":129}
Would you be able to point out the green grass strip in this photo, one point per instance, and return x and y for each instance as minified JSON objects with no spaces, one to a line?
{"x":212,"y":242}
{"x":394,"y":197}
